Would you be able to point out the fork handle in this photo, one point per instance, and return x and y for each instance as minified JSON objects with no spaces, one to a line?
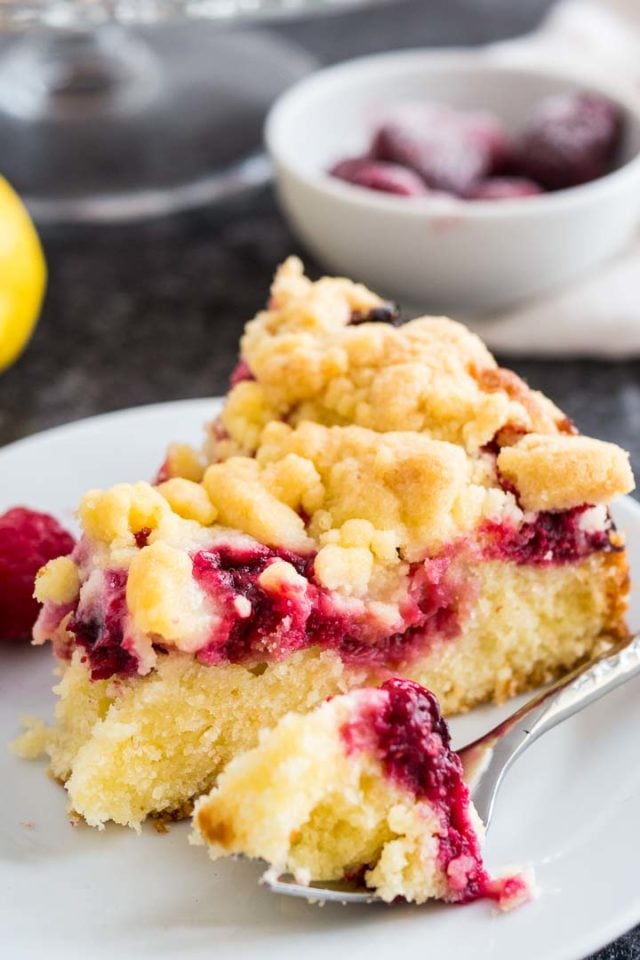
{"x":506,"y":742}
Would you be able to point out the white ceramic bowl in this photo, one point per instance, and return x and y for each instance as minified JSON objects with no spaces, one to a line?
{"x":442,"y":254}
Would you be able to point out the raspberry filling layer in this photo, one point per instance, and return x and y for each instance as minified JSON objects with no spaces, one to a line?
{"x":253,"y":623}
{"x":28,"y":540}
{"x":274,"y":624}
{"x":103,"y":637}
{"x":412,"y":742}
{"x":550,"y":538}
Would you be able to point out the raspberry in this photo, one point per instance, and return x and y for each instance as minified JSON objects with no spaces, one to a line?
{"x":569,"y":139}
{"x":386,"y":313}
{"x":504,"y":188}
{"x":450,"y":149}
{"x":376,"y":175}
{"x":241,"y":371}
{"x":27,"y":540}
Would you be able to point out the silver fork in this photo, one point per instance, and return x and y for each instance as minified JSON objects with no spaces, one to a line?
{"x":487,"y":759}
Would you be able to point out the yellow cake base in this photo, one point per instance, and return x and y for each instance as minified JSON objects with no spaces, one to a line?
{"x":126,"y":749}
{"x":299,"y":802}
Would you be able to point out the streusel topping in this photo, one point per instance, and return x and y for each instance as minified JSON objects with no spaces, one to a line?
{"x":309,"y":361}
{"x":560,"y":472}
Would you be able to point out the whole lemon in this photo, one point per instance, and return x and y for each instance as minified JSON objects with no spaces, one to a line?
{"x":23,"y":275}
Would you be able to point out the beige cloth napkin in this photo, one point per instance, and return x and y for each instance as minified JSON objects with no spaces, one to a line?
{"x":598,"y":316}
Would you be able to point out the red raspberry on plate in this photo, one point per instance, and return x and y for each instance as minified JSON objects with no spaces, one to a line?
{"x":504,"y":188}
{"x":379,"y":175}
{"x":27,"y":540}
{"x":570,"y":139}
{"x":450,"y":149}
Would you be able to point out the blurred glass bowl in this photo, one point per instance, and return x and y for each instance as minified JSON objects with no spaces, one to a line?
{"x":123,"y":109}
{"x":18,"y":14}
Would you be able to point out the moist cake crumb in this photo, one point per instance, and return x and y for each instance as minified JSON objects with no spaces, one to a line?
{"x":364,"y":788}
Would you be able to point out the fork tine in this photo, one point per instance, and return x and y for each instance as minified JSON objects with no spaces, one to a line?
{"x":335,"y":892}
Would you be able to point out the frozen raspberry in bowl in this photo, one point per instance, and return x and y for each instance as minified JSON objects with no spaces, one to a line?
{"x":570,"y":139}
{"x":451,"y":150}
{"x":380,"y":175}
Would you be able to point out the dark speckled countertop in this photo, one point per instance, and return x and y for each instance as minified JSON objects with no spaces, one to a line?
{"x":138,"y":314}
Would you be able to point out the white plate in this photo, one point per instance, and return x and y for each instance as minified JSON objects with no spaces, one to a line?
{"x":571,"y":806}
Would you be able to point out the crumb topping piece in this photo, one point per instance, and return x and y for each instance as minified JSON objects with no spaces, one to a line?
{"x":57,"y":581}
{"x":114,"y":516}
{"x":560,"y":472}
{"x":164,"y":600}
{"x":182,"y":460}
{"x":243,"y":502}
{"x":189,"y":500}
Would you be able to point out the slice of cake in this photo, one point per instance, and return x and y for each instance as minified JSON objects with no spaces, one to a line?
{"x":379,"y":500}
{"x":363,"y":788}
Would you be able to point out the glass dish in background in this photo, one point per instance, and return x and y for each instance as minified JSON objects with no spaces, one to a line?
{"x":122,"y":109}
